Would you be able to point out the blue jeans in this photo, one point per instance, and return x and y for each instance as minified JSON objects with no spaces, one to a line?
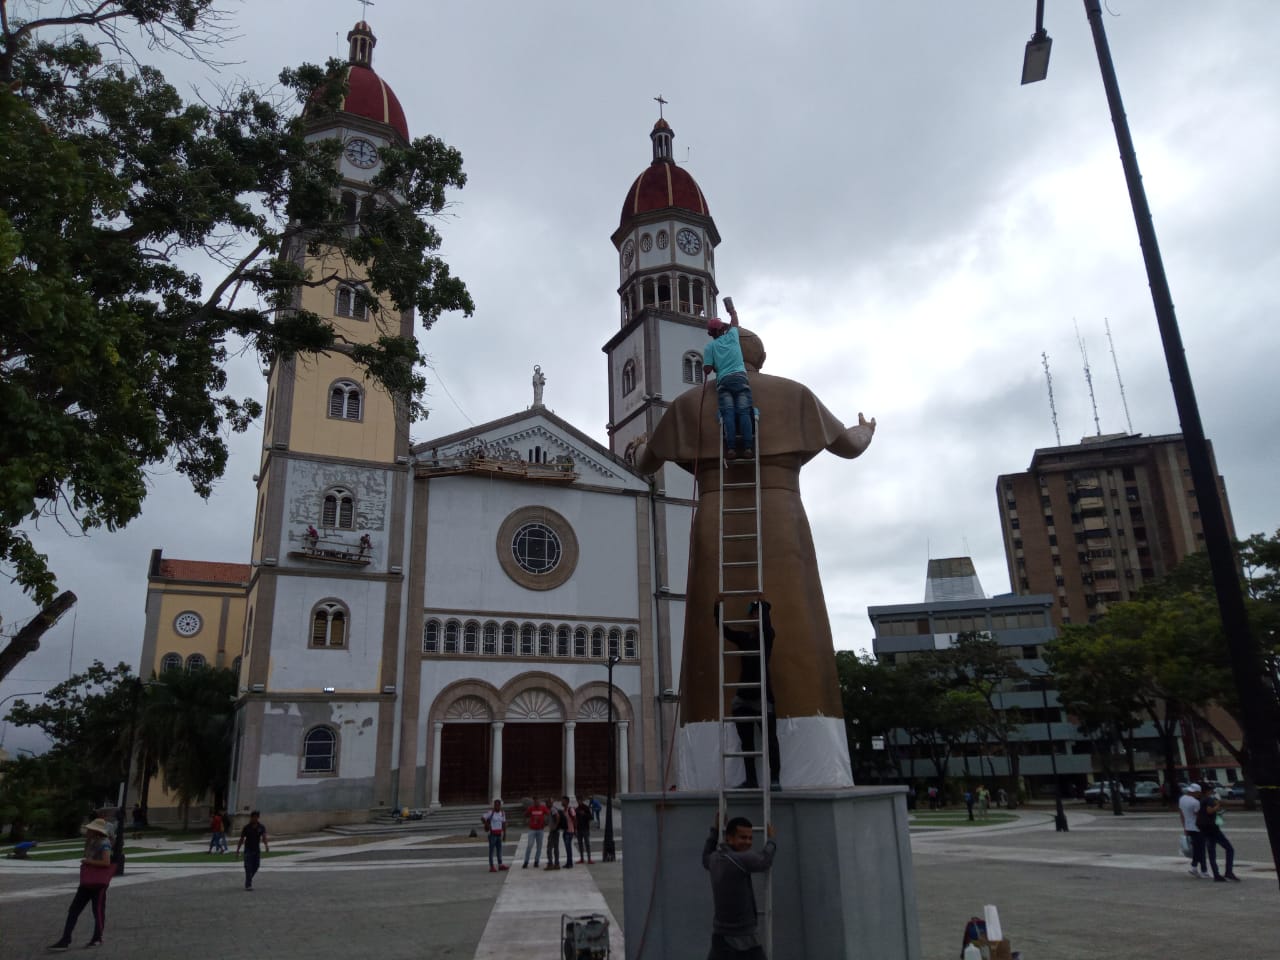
{"x":535,"y":836}
{"x":1214,"y":838}
{"x":733,"y":393}
{"x":495,"y":845}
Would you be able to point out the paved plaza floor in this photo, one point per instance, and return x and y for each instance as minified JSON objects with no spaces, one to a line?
{"x":1112,"y":888}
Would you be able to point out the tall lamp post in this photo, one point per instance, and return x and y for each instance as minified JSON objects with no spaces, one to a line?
{"x":5,"y":729}
{"x":1260,"y":713}
{"x":610,"y":851}
{"x":1060,"y":820}
{"x":117,"y":847}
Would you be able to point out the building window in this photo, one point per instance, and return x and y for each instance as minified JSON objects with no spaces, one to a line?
{"x":171,"y":661}
{"x":1029,"y":652}
{"x":338,"y":510}
{"x":451,"y":629}
{"x":692,"y":367}
{"x":471,"y":637}
{"x":631,"y":646}
{"x":615,"y":643}
{"x":431,"y":636}
{"x":526,"y":640}
{"x":320,"y":751}
{"x":329,"y":625}
{"x":196,"y":662}
{"x":597,"y":644}
{"x":562,"y":641}
{"x":490,"y":641}
{"x":580,"y":642}
{"x":628,"y":377}
{"x":536,"y":548}
{"x":345,"y":400}
{"x":349,"y":301}
{"x":544,"y":640}
{"x":508,"y":639}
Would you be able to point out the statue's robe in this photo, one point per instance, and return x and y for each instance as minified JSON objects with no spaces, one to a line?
{"x":794,"y":427}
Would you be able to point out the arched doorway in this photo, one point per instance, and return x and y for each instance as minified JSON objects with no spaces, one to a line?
{"x":533,"y":746}
{"x":591,"y":748}
{"x":465,"y":749}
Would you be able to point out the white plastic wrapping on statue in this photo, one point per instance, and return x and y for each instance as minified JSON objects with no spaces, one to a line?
{"x":814,"y":753}
{"x":993,"y":923}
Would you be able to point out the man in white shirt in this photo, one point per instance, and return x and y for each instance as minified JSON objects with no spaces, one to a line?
{"x":1188,"y":807}
{"x":495,"y":822}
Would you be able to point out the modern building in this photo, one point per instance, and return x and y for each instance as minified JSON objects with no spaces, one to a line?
{"x":955,"y":604}
{"x":430,"y":624}
{"x":1090,"y":523}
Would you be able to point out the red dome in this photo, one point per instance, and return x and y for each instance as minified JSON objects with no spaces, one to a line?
{"x":369,"y":96}
{"x":663,"y":184}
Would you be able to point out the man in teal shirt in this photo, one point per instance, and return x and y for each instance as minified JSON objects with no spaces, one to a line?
{"x":733,"y":391}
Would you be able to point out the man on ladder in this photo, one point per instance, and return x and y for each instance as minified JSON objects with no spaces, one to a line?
{"x":733,"y":391}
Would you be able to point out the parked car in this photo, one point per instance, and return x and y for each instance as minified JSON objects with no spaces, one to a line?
{"x":1100,"y":792}
{"x":1146,"y":791}
{"x":1235,"y":791}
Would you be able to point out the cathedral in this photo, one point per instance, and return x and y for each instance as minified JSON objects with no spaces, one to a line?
{"x":443,"y":623}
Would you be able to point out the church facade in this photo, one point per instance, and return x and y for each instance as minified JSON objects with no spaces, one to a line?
{"x":434,"y":624}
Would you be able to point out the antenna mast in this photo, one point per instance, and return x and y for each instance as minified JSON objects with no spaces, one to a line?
{"x":1123,"y":400}
{"x":1088,"y":379}
{"x":1053,"y":410}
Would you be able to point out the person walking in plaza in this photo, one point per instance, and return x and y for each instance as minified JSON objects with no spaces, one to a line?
{"x":1188,"y":812}
{"x":968,"y":800}
{"x":217,"y":834}
{"x":555,"y":826}
{"x":1209,"y":820}
{"x":984,"y":802}
{"x":733,"y":391}
{"x":734,"y":926}
{"x":495,"y":822}
{"x":254,"y":840}
{"x":583,"y":823}
{"x":96,"y":871}
{"x":596,"y":807}
{"x":536,"y":815}
{"x":570,"y":830}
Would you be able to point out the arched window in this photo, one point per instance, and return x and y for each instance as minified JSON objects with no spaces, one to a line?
{"x":171,"y":661}
{"x":349,"y":301}
{"x":699,"y":300}
{"x":597,"y":644}
{"x":562,"y":641}
{"x":451,"y":629}
{"x":615,"y":642}
{"x":471,"y":637}
{"x":631,"y":646}
{"x":196,"y":662}
{"x":431,"y":636}
{"x":664,"y":293}
{"x":580,"y":642}
{"x":320,"y":751}
{"x":338,"y":510}
{"x":628,"y":377}
{"x":692,"y":365}
{"x":490,"y":638}
{"x":329,"y":625}
{"x":508,"y":639}
{"x":647,"y":292}
{"x":682,"y":291}
{"x":544,"y":640}
{"x":345,"y":401}
{"x":348,"y":206}
{"x":526,"y":640}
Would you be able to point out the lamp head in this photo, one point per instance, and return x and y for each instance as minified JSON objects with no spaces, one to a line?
{"x":1035,"y":60}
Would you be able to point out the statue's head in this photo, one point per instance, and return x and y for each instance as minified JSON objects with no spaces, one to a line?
{"x":752,"y":349}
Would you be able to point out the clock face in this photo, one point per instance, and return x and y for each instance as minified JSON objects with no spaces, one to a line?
{"x":628,"y":253}
{"x":688,"y":241}
{"x":188,"y":624}
{"x":646,"y":243}
{"x":362,"y":153}
{"x":663,"y":239}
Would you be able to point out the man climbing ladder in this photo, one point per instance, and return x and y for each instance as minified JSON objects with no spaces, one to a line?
{"x":733,"y":391}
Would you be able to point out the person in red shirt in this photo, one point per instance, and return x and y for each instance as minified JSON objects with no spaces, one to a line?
{"x":218,"y":834}
{"x":537,"y":816}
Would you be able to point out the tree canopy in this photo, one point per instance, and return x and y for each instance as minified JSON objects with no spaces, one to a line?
{"x":144,"y":240}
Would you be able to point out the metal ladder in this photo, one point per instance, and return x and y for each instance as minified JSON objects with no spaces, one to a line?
{"x":741,"y":581}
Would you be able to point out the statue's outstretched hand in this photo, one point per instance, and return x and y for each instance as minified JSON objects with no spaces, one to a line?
{"x":864,"y":422}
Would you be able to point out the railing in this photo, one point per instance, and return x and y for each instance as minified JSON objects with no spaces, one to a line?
{"x":335,"y":550}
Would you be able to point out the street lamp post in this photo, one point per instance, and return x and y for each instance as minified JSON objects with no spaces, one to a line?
{"x":5,"y":729}
{"x":610,"y":851}
{"x":1060,"y":820}
{"x":117,"y":848}
{"x":1260,"y":713}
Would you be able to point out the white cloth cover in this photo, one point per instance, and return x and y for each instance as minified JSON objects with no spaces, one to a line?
{"x":814,"y":753}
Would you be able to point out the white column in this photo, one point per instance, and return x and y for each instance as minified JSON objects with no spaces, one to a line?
{"x":624,"y":762}
{"x":437,"y":730}
{"x":495,"y":770}
{"x":570,"y":759}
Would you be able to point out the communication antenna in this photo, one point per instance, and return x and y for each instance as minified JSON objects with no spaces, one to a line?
{"x":1123,"y":400}
{"x":1088,"y":379}
{"x":1053,"y":410}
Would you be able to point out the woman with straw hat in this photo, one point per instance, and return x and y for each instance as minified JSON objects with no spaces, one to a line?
{"x":96,"y":871}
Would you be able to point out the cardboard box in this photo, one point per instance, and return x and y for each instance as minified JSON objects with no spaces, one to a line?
{"x":995,"y":949}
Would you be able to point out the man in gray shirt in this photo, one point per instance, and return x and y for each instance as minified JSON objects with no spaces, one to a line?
{"x":734,"y":933}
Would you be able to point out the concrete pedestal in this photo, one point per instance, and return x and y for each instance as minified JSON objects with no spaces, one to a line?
{"x":843,"y":885}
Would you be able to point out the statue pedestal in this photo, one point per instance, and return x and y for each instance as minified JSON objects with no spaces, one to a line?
{"x":843,"y":885}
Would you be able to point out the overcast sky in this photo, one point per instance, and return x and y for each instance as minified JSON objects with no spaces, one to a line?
{"x":905,"y":226}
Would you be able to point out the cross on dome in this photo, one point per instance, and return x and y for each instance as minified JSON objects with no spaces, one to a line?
{"x":661,"y":103}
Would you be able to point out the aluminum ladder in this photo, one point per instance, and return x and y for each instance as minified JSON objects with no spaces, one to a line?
{"x":741,"y":582}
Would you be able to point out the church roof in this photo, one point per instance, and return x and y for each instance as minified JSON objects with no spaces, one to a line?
{"x":664,"y":184}
{"x":203,"y":571}
{"x":368,"y":95}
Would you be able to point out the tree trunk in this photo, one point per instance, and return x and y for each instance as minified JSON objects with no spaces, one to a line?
{"x":27,"y":640}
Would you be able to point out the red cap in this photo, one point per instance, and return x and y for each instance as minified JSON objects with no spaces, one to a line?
{"x":716,"y":325}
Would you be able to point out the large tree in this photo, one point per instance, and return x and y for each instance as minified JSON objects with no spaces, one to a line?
{"x":144,"y":241}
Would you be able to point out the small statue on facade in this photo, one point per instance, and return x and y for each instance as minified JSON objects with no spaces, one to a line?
{"x":539,"y":381}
